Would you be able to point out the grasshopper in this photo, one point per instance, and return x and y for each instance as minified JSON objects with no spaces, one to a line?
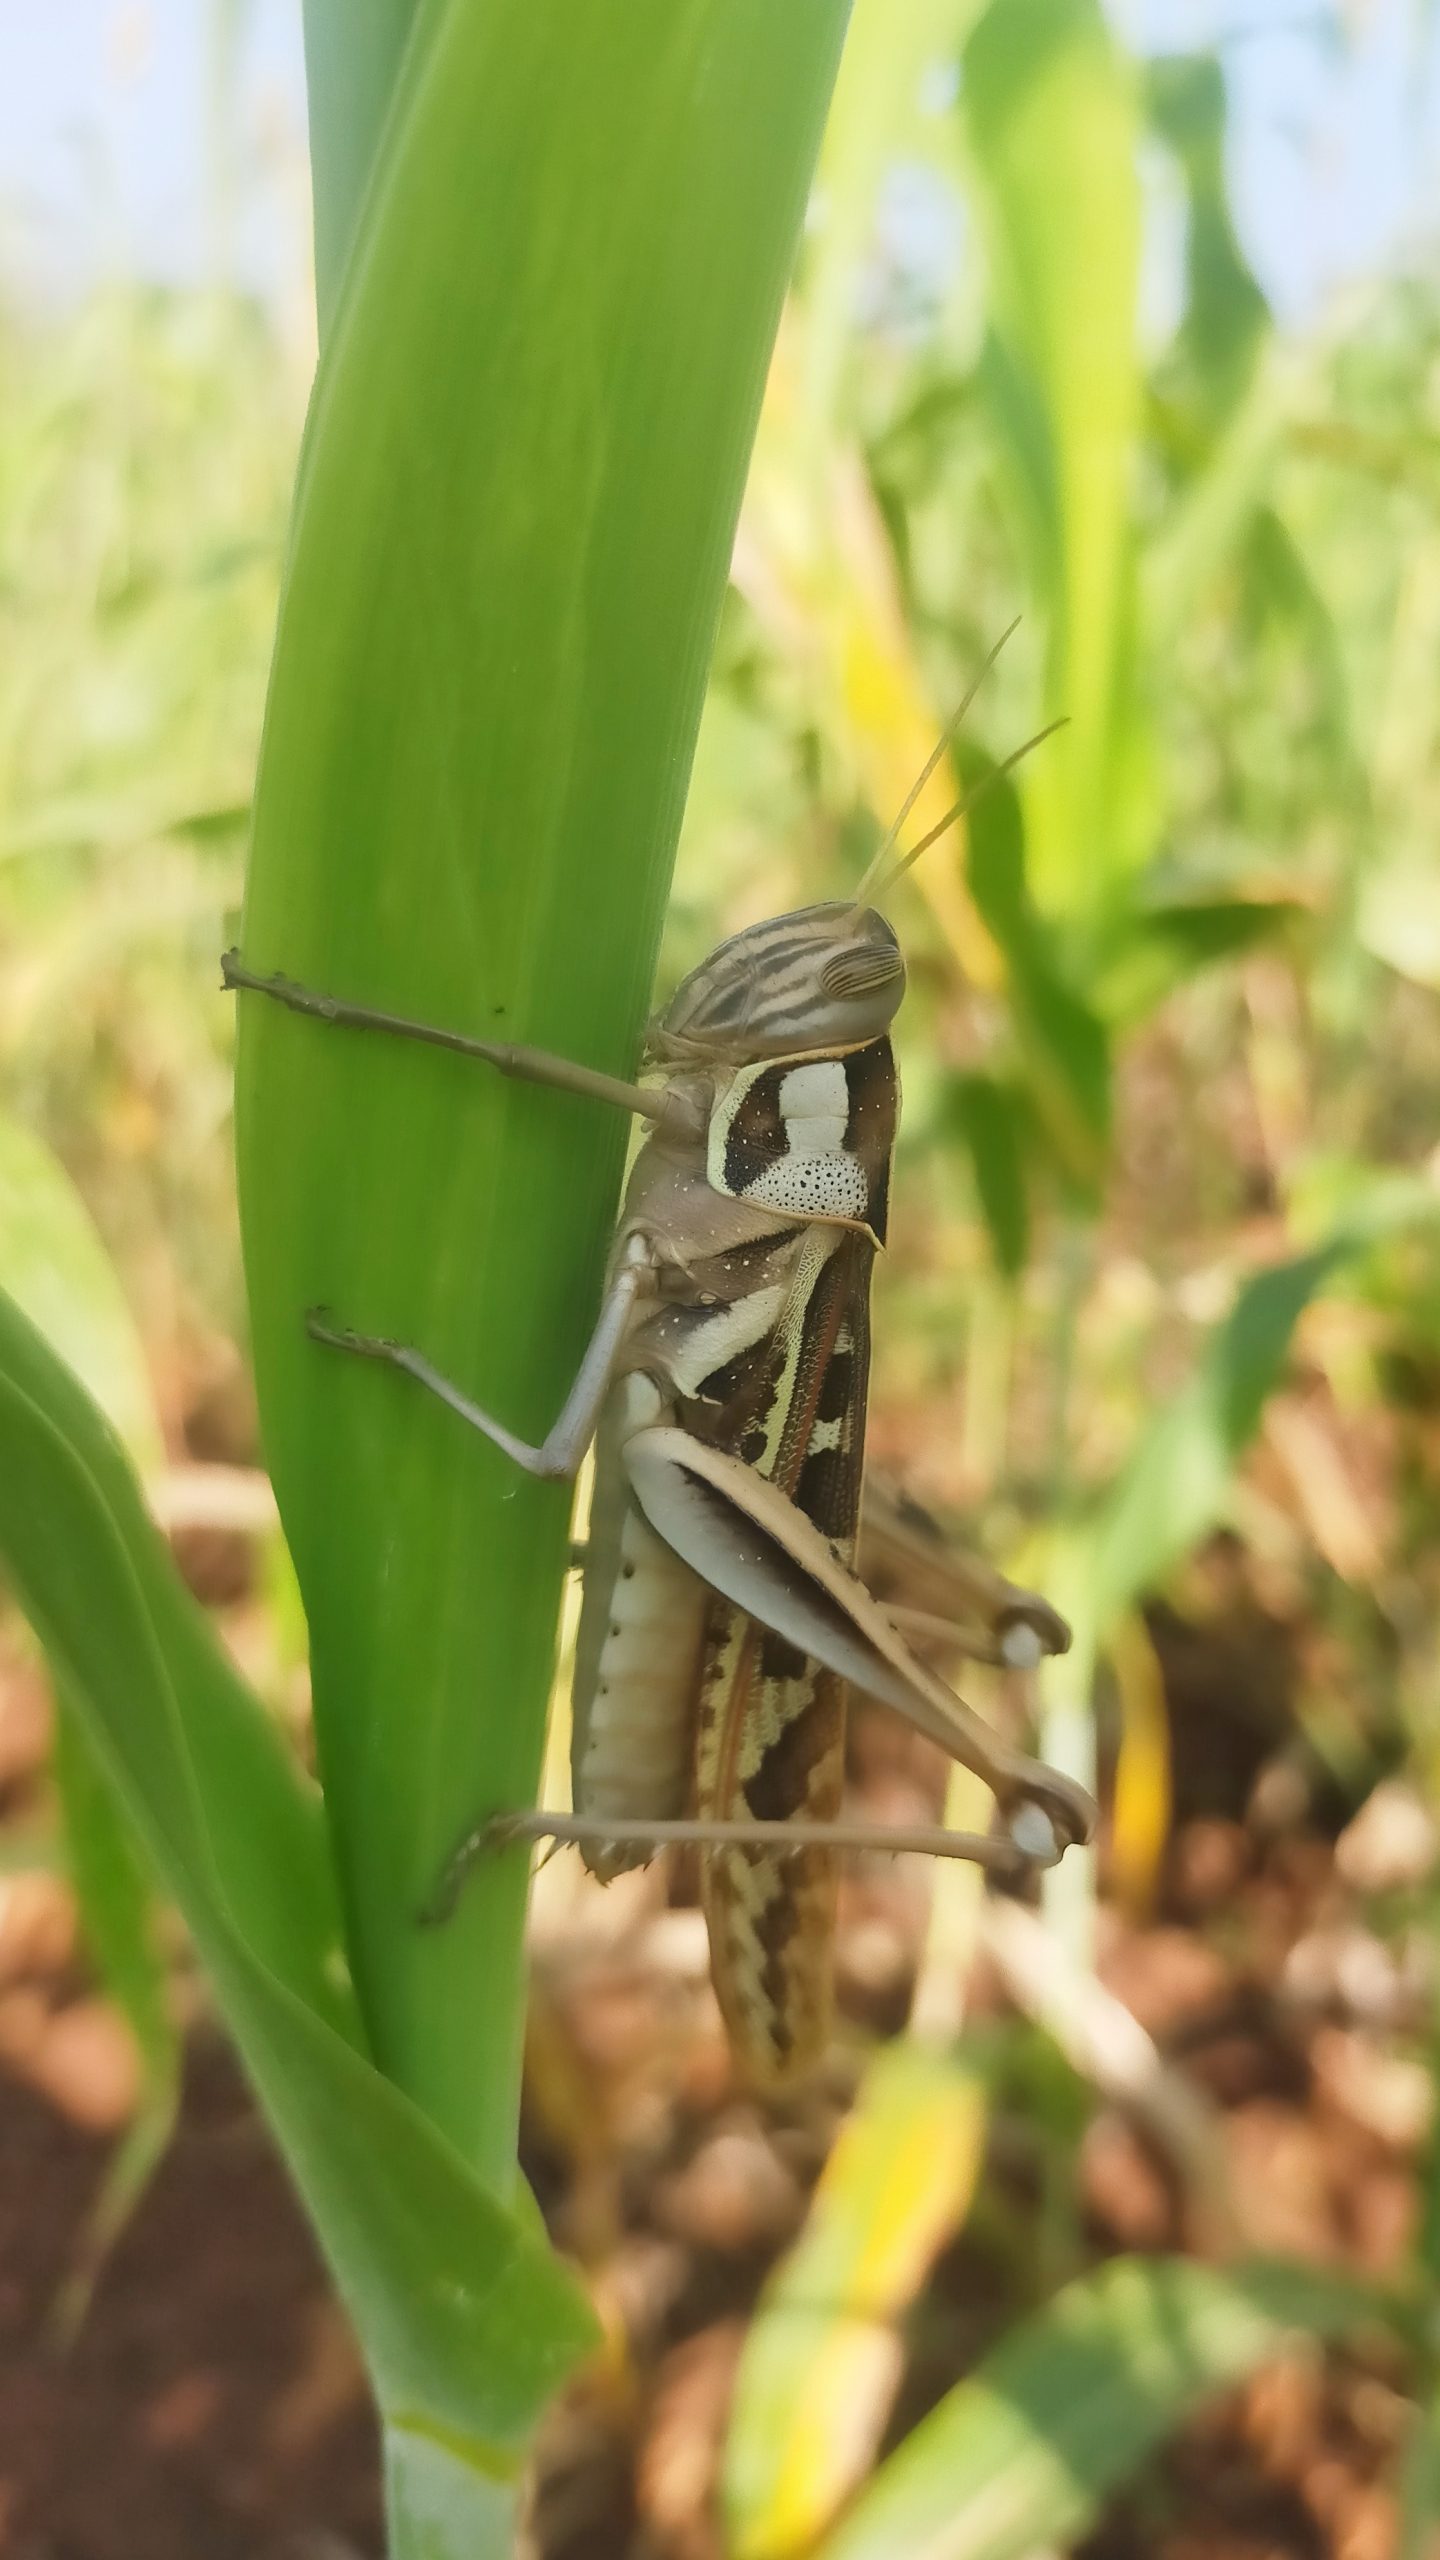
{"x":724,"y":1389}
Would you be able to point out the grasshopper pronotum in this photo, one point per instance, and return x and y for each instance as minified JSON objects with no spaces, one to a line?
{"x":724,"y":1388}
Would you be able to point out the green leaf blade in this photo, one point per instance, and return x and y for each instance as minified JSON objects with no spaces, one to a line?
{"x":1174,"y":1485}
{"x":261,"y":1819}
{"x":825,"y":2354}
{"x":114,"y":1894}
{"x":1021,"y":2455}
{"x":990,"y":1116}
{"x":1052,"y":115}
{"x":354,"y":50}
{"x":522,"y":475}
{"x":467,"y":2321}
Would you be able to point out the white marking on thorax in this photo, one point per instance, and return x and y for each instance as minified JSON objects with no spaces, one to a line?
{"x":812,"y":1187}
{"x":815,"y":1106}
{"x":815,"y":1177}
{"x":722,"y":1336}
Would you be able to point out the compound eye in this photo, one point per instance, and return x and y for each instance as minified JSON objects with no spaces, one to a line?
{"x":857,"y":971}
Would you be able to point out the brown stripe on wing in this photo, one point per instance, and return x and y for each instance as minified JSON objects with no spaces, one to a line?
{"x":821,"y":1457}
{"x":770,"y":1733}
{"x":771,"y":1746}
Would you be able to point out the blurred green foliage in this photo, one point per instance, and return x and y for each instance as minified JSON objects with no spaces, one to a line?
{"x":502,"y":582}
{"x":147,"y":447}
{"x":1174,"y":1036}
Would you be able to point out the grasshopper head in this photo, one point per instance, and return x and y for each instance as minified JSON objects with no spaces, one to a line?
{"x":824,"y":978}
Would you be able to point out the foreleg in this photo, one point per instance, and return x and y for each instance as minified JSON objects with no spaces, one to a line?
{"x":559,"y":1454}
{"x":662,"y":1105}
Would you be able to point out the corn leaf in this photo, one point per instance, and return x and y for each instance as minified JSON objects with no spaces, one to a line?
{"x":1052,"y":119}
{"x":992,"y":1119}
{"x":59,"y":1272}
{"x":1021,"y":2455}
{"x":1061,"y":1039}
{"x":523,"y":469}
{"x":1142,"y":1794}
{"x":1174,"y":1487}
{"x":466,"y":2321}
{"x":1226,"y":317}
{"x":115,"y":1897}
{"x":57,"y":1269}
{"x":875,"y":122}
{"x":264,"y":1823}
{"x":825,"y":2353}
{"x":354,"y":50}
{"x":1165,"y":946}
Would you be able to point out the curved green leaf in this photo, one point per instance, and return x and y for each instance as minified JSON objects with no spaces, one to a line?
{"x":1164,"y":947}
{"x":59,"y":1272}
{"x":115,"y":1897}
{"x":1226,"y":316}
{"x":989,"y":1113}
{"x":57,"y":1269}
{"x":522,"y":474}
{"x":1021,"y":2455}
{"x":876,"y":121}
{"x":263,"y":1821}
{"x":1061,"y":1039}
{"x":824,"y":2356}
{"x":353,"y":54}
{"x":1173,"y":1487}
{"x":1053,"y":123}
{"x":467,"y":2322}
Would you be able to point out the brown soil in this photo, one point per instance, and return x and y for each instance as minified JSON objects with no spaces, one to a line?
{"x":212,"y":2408}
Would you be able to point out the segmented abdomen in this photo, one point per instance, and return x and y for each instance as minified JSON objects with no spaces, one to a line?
{"x":636,"y":1665}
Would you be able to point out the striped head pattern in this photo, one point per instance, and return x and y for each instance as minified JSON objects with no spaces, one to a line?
{"x":819,"y":980}
{"x":823,"y":979}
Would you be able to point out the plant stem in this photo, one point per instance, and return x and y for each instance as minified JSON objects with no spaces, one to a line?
{"x":439,"y":2507}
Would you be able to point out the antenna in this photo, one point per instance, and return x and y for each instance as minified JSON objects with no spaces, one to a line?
{"x":876,"y":867}
{"x":962,"y":808}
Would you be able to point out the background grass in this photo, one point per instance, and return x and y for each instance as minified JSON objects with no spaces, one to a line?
{"x":1173,"y":1037}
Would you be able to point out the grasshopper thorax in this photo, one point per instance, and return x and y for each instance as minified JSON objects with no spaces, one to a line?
{"x":820,"y":980}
